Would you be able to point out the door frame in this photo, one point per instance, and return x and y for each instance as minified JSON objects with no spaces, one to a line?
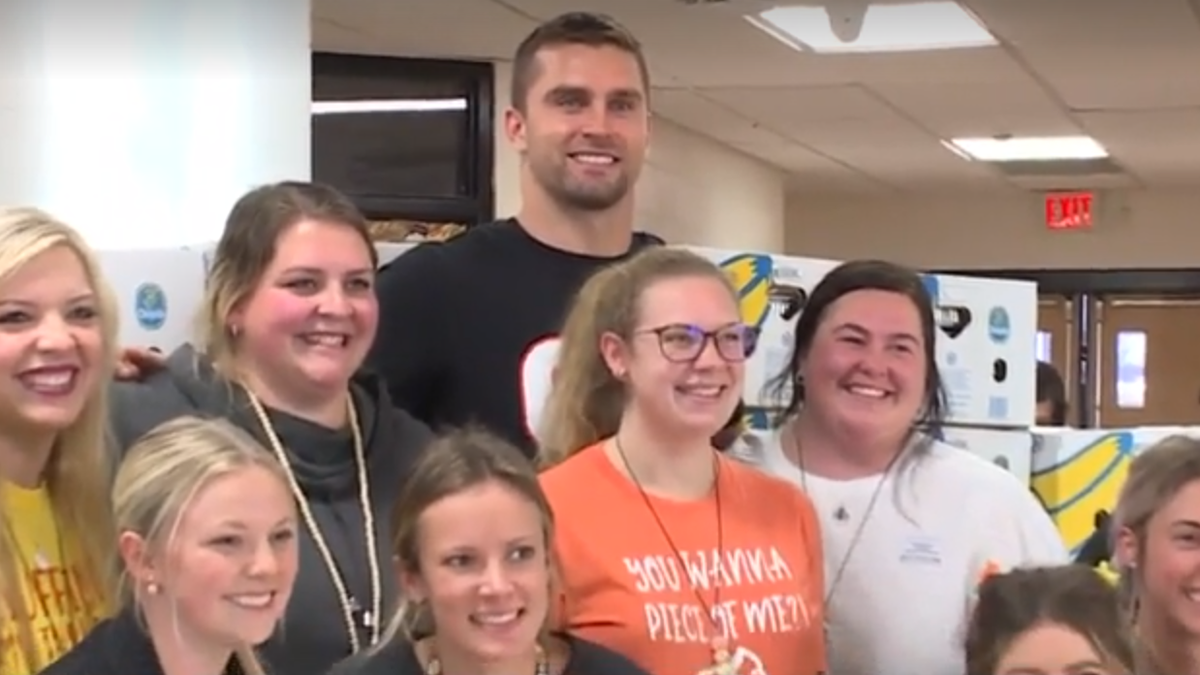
{"x":1103,"y":354}
{"x":1067,"y":345}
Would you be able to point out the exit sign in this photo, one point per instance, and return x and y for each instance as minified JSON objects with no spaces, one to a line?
{"x":1069,"y":210}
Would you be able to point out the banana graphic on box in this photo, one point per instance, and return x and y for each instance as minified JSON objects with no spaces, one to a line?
{"x":772,"y":294}
{"x":1078,"y":473}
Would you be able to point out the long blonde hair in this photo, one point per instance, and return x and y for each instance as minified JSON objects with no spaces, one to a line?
{"x":1156,"y":476}
{"x":586,"y":401}
{"x":163,"y":473}
{"x":453,"y":463}
{"x":79,"y":465}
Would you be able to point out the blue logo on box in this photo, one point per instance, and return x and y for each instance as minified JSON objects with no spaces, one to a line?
{"x":998,"y":408}
{"x":150,"y":306}
{"x":999,"y":326}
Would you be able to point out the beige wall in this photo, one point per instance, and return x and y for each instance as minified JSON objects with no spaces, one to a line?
{"x":1135,"y":229}
{"x":692,"y":191}
{"x":697,"y":192}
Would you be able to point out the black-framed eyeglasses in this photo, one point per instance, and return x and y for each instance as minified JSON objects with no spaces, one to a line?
{"x":681,"y":342}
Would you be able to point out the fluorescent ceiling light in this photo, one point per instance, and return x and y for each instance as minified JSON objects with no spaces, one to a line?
{"x":396,"y":105}
{"x":1044,"y":148}
{"x":855,"y":27}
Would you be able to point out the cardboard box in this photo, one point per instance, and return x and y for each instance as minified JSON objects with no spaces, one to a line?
{"x":986,"y":348}
{"x":1079,"y":472}
{"x":158,"y":292}
{"x":773,"y":291}
{"x":1010,"y":449}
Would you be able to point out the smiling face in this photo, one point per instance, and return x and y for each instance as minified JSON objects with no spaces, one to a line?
{"x":484,"y":570}
{"x":684,"y":363}
{"x":1169,"y":565}
{"x":227,"y":569}
{"x":866,"y":369}
{"x":312,"y":317}
{"x":1052,"y":649}
{"x":51,"y":342}
{"x":584,"y":127}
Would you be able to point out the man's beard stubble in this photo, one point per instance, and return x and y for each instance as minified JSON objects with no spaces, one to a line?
{"x":581,"y":195}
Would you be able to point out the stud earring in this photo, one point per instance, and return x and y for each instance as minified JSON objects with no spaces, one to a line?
{"x":152,"y":588}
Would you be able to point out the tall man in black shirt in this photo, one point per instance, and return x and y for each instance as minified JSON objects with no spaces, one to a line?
{"x":467,"y":327}
{"x":467,"y":330}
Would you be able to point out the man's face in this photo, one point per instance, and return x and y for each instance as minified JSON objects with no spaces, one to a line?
{"x":585,"y":128}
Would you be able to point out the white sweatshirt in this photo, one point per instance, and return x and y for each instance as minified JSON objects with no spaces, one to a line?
{"x":940,"y":522}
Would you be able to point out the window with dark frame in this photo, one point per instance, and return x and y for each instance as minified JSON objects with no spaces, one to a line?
{"x":427,"y":165}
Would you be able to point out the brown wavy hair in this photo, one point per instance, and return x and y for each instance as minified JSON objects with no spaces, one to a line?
{"x":1072,"y":596}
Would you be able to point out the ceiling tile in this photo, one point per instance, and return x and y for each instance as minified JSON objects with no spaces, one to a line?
{"x":893,"y":151}
{"x":892,"y":136}
{"x":1055,"y":183}
{"x":929,"y":172}
{"x":801,"y":105}
{"x":1156,"y":146}
{"x":711,"y":119}
{"x":1105,"y":54}
{"x":420,"y":27}
{"x":821,"y":187}
{"x":979,"y":108}
{"x":939,"y":68}
{"x":332,"y":36}
{"x":793,"y":157}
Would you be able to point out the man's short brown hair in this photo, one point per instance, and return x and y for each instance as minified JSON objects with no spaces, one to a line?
{"x":573,"y":28}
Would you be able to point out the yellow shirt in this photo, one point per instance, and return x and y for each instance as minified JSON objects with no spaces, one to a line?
{"x":57,"y":597}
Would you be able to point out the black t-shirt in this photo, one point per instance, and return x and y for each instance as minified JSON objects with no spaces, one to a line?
{"x":464,"y":322}
{"x":398,"y":658}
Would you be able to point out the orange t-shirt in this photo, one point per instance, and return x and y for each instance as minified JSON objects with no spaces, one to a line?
{"x":626,"y":587}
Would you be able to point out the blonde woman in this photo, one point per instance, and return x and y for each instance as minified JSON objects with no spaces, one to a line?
{"x":207,"y":539}
{"x":57,"y":331}
{"x":471,"y":538}
{"x":289,"y":315}
{"x":1157,"y":548}
{"x":673,"y":554}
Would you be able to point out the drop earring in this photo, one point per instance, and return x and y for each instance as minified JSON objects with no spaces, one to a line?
{"x":152,"y":588}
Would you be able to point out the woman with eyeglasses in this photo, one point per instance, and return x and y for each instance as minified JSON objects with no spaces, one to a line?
{"x":672,"y":554}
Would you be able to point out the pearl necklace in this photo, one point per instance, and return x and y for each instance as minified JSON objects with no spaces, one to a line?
{"x":371,"y":617}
